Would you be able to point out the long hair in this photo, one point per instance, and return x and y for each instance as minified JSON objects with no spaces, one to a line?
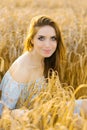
{"x":55,"y":60}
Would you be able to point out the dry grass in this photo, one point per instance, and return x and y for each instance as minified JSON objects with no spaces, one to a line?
{"x":52,"y":108}
{"x":14,"y":21}
{"x":71,"y":17}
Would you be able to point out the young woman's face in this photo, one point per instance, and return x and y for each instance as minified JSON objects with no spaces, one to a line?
{"x":44,"y":41}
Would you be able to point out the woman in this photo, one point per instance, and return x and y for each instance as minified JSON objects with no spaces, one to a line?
{"x":43,"y":50}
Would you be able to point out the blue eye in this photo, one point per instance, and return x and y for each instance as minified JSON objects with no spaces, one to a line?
{"x":41,"y":38}
{"x":53,"y":38}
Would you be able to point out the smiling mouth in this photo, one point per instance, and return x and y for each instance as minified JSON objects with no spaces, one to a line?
{"x":47,"y":51}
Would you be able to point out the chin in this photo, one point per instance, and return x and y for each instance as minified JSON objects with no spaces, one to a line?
{"x":47,"y":56}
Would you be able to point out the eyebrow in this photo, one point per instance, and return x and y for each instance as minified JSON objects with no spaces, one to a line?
{"x":51,"y":36}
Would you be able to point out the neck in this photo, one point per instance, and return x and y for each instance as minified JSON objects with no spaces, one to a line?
{"x":36,"y":60}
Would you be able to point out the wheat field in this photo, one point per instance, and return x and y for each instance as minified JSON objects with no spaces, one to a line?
{"x":71,"y":16}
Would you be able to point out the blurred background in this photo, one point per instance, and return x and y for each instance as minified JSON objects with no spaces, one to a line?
{"x":71,"y":16}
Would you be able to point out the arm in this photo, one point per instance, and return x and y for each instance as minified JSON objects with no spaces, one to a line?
{"x":84,"y":107}
{"x":81,"y":105}
{"x":11,"y":88}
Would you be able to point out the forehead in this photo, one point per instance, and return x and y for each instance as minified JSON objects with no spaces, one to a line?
{"x":46,"y":30}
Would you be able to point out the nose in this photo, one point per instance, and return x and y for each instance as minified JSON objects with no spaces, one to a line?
{"x":47,"y":43}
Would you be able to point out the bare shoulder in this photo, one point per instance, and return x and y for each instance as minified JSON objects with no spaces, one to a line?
{"x":19,"y":62}
{"x":18,"y":68}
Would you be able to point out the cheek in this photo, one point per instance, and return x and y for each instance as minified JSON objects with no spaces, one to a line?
{"x":37,"y":45}
{"x":40,"y":45}
{"x":55,"y":45}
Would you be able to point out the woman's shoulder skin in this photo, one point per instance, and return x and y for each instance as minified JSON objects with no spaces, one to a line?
{"x":18,"y":69}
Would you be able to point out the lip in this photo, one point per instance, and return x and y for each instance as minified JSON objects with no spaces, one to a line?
{"x":47,"y":51}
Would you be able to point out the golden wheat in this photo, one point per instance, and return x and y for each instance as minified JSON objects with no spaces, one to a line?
{"x":49,"y":110}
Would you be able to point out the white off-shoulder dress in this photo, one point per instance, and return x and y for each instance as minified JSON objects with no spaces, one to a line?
{"x":12,"y":89}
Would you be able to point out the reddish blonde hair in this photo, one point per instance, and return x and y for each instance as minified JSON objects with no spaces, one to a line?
{"x":55,"y":60}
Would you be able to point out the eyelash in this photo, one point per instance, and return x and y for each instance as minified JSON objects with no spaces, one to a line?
{"x":53,"y":38}
{"x":42,"y":38}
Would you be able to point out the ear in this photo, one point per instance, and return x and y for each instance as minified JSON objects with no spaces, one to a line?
{"x":32,"y":41}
